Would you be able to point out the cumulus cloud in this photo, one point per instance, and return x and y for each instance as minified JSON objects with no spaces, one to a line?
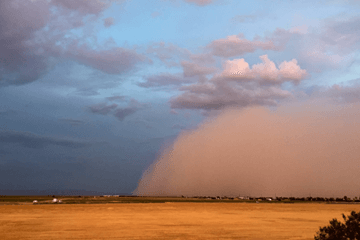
{"x":30,"y":140}
{"x":265,"y":71}
{"x":237,"y":45}
{"x":240,"y":85}
{"x":296,"y":150}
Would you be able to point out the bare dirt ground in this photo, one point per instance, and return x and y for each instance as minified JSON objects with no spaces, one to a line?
{"x":168,"y":220}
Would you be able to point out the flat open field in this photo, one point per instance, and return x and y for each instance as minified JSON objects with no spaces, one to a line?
{"x":168,"y":220}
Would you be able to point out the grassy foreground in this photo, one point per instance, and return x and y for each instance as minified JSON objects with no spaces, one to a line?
{"x":171,"y":220}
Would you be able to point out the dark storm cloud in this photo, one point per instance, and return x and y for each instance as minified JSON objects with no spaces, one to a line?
{"x":30,"y":140}
{"x":20,"y":61}
{"x":34,"y":36}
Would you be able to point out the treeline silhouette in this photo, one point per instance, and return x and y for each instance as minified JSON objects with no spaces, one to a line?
{"x":299,"y":199}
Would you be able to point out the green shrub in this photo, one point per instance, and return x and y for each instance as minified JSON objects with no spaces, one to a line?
{"x":350,"y":230}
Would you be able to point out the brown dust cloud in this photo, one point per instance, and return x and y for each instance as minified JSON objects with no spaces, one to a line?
{"x":298,"y":149}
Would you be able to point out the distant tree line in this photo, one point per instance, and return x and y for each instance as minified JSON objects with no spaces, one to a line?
{"x":314,"y":199}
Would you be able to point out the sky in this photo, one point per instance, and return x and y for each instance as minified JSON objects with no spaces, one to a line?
{"x":173,"y":97}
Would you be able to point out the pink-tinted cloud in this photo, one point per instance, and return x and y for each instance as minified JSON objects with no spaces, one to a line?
{"x":238,"y":45}
{"x":113,"y":61}
{"x":241,"y":86}
{"x":108,"y":22}
{"x":296,"y":150}
{"x":265,"y":71}
{"x":192,"y":69}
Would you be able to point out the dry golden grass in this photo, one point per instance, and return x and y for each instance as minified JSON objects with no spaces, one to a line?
{"x":168,"y":220}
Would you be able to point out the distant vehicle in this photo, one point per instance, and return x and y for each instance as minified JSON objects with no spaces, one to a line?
{"x":35,"y":202}
{"x":60,"y":201}
{"x":55,"y":200}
